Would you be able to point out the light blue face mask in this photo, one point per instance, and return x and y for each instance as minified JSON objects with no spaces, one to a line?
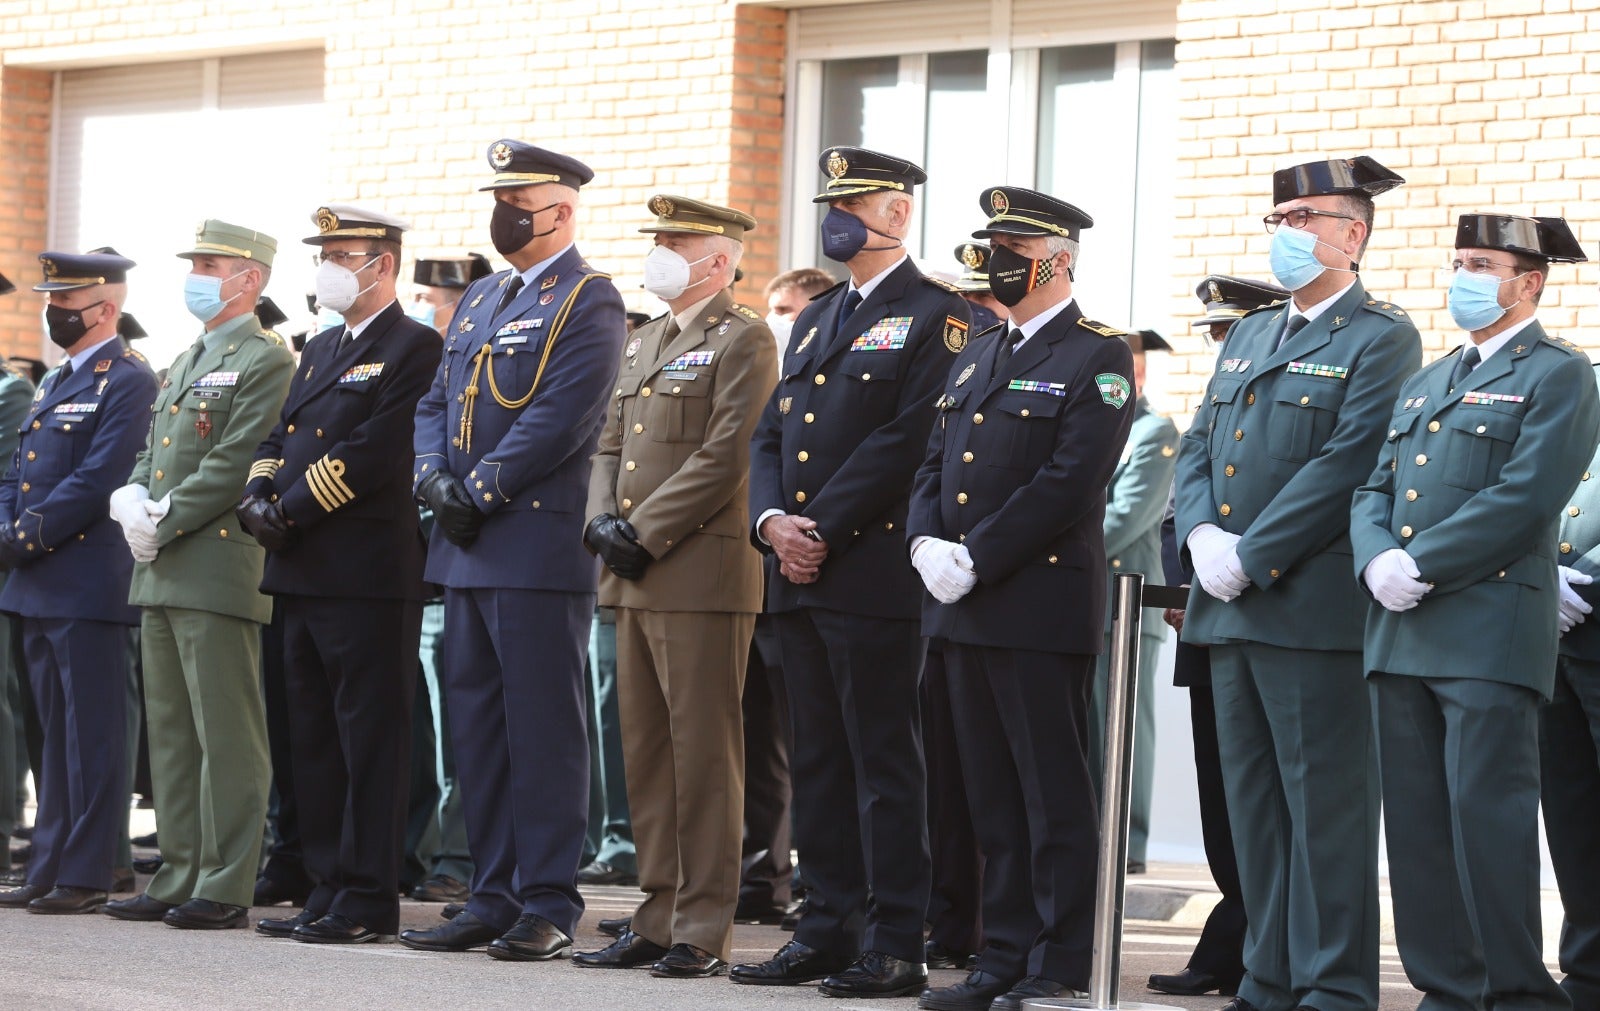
{"x":1474,"y":300}
{"x":1293,"y":258}
{"x":422,"y":312}
{"x":202,"y":293}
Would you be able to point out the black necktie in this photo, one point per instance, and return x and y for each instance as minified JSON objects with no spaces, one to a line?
{"x":1469,"y":361}
{"x":512,"y":287}
{"x":61,"y":377}
{"x":1296,"y":324}
{"x":345,"y":340}
{"x":852,"y":302}
{"x":1003,"y":353}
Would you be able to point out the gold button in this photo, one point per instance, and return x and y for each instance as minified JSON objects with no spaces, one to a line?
{"x":888,"y":526}
{"x":1433,"y":426}
{"x":290,"y":429}
{"x":1422,"y":458}
{"x":30,"y":454}
{"x":80,"y":537}
{"x":645,"y":392}
{"x":36,"y":424}
{"x":536,"y":503}
{"x":1238,"y":433}
{"x":638,"y":429}
{"x":1116,"y":563}
{"x":669,"y":542}
{"x":1024,"y":412}
{"x":1213,"y":398}
{"x":1275,"y":573}
{"x":1573,"y":511}
{"x":160,"y":475}
{"x":803,"y":456}
{"x":799,"y":496}
{"x":180,"y":533}
{"x":627,"y":503}
{"x":1566,"y":549}
{"x":1411,"y":494}
{"x":1305,"y":400}
{"x":630,"y":465}
{"x":1226,"y":510}
{"x":26,"y":486}
{"x":810,"y":417}
{"x":1405,"y":531}
{"x":1228,"y":470}
{"x":960,"y":537}
{"x":223,"y":532}
{"x":966,"y":457}
{"x":66,"y":428}
{"x":977,"y":419}
{"x":164,"y":441}
{"x":820,"y":379}
{"x":1501,"y":574}
{"x":1053,"y":559}
{"x":676,"y":389}
{"x":173,"y":409}
{"x":1586,"y":475}
{"x":961,"y":498}
{"x":319,"y":433}
{"x":456,"y":442}
{"x":866,"y":376}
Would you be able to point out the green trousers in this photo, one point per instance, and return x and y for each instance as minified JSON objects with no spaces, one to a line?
{"x":1144,"y":735}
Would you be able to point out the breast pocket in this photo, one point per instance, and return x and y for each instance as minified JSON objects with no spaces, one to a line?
{"x":870,"y":366}
{"x":1480,"y":443}
{"x":1026,"y":426}
{"x":1302,"y":419}
{"x":1219,"y":401}
{"x":682,"y":409}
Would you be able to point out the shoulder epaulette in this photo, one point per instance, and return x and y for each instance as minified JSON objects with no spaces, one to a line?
{"x":1384,"y":308}
{"x":271,"y":337}
{"x":939,"y":282}
{"x":747,"y":312}
{"x":1563,"y":343}
{"x":1101,"y":328}
{"x":989,"y":329}
{"x":830,"y":291}
{"x":131,"y":353}
{"x":1263,"y":308}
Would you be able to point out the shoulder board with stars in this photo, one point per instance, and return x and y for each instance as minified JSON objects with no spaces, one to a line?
{"x":1562,"y":342}
{"x":939,"y":282}
{"x":131,"y":353}
{"x":1384,"y":308}
{"x":1101,"y":328}
{"x":271,"y":337}
{"x":7,"y":368}
{"x":747,"y":312}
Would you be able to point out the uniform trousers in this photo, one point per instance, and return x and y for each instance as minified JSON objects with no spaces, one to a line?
{"x":286,"y":864}
{"x":12,"y":751}
{"x":1021,"y":719}
{"x":1569,"y":746}
{"x":610,"y":834}
{"x":420,"y":841}
{"x":1220,"y":950}
{"x":350,"y":668}
{"x":1459,"y":759}
{"x":78,"y":670}
{"x":451,"y":856}
{"x":767,"y":868}
{"x":852,"y":685}
{"x":955,"y":919}
{"x":679,"y":680}
{"x":1294,"y":732}
{"x":518,"y":714}
{"x":208,"y":752}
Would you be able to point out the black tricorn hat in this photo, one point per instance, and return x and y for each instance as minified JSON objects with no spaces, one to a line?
{"x":1548,"y":239}
{"x":1361,"y":174}
{"x":6,"y":287}
{"x":1148,"y":340}
{"x":268,"y":313}
{"x":129,"y":329}
{"x":451,"y":272}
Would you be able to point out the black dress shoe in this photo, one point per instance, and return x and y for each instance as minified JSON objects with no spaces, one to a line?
{"x":19,"y":897}
{"x":616,"y":927}
{"x":144,"y":840}
{"x":975,"y":993}
{"x":601,"y":873}
{"x":284,"y":926}
{"x":122,"y":880}
{"x":875,"y":974}
{"x":463,"y":933}
{"x":685,"y":961}
{"x":271,"y":892}
{"x":1238,"y":1004}
{"x":336,"y":929}
{"x":937,"y":956}
{"x":13,"y":877}
{"x":1191,"y":982}
{"x":203,"y":914}
{"x":530,"y":939}
{"x":452,"y":910}
{"x":441,"y":888}
{"x":627,"y":952}
{"x":148,"y":865}
{"x":757,"y":912}
{"x":794,"y":963}
{"x":140,"y":907}
{"x":1028,"y":989}
{"x":66,"y":899}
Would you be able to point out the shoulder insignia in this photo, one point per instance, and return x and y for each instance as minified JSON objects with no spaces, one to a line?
{"x":989,"y":329}
{"x":939,"y":282}
{"x":131,"y":353}
{"x":955,"y":334}
{"x":1562,"y":342}
{"x":1101,"y":328}
{"x":1263,"y":308}
{"x":103,"y":365}
{"x":271,"y":337}
{"x":1383,"y":308}
{"x":747,"y":312}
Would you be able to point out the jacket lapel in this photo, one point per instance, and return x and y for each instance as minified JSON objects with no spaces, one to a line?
{"x":331,"y":363}
{"x":1317,"y":333}
{"x":1034,"y":351}
{"x":695,"y":335}
{"x":872,"y":308}
{"x":528,"y":298}
{"x":80,"y":380}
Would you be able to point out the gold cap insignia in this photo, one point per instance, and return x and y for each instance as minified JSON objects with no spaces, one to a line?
{"x":50,"y":268}
{"x":500,"y":155}
{"x":837,"y":166}
{"x":661,"y":207}
{"x":998,"y":202}
{"x":1216,"y":292}
{"x":971,"y":257}
{"x":327,"y":221}
{"x":200,"y":231}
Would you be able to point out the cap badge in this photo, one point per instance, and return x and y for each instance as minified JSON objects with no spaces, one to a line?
{"x":998,"y":202}
{"x":500,"y":155}
{"x":327,"y":221}
{"x":837,"y":166}
{"x":50,"y":268}
{"x":971,"y":257}
{"x":200,"y":231}
{"x":1216,"y":292}
{"x":661,"y":207}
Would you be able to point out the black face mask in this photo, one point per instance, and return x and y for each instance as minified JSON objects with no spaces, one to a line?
{"x":1012,"y":275}
{"x":66,"y":326}
{"x":511,"y":227}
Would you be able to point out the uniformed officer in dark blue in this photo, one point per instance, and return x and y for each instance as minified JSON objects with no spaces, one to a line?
{"x":830,"y":474}
{"x":1006,"y":526}
{"x":503,"y":445}
{"x":16,"y":394}
{"x":329,"y":497}
{"x":70,"y":575}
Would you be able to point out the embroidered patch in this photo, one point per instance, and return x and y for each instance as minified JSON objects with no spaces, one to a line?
{"x":691,"y":359}
{"x":955,"y":335}
{"x":76,"y":408}
{"x":1054,"y":389}
{"x":888,"y":334}
{"x":784,"y":404}
{"x":1235,"y":365}
{"x":1313,"y":369}
{"x":1481,"y":397}
{"x":218,"y":379}
{"x":634,"y":346}
{"x":362,"y":373}
{"x":1114,"y":389}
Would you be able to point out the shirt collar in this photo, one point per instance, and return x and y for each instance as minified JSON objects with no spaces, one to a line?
{"x":81,"y":359}
{"x":532,"y":273}
{"x":1499,"y":340}
{"x":248,"y":323}
{"x":687,"y":316}
{"x":1038,"y":322}
{"x":357,"y":329}
{"x":866,"y":289}
{"x":1321,"y":307}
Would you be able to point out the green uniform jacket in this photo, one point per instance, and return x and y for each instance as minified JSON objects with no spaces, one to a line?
{"x":1283,"y":439}
{"x":1136,"y":499}
{"x":1469,"y":483}
{"x":1580,"y":549}
{"x":210,"y":415}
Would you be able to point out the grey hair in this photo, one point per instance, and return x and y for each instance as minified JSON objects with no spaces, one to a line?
{"x":1057,"y":244}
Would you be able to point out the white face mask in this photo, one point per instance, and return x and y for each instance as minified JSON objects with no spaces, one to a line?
{"x":666,"y":273}
{"x":338,"y":287}
{"x":781,"y":327}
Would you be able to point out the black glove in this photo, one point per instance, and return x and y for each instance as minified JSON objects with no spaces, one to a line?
{"x":617,"y":544}
{"x":10,"y":554}
{"x":453,"y":511}
{"x":265,"y":522}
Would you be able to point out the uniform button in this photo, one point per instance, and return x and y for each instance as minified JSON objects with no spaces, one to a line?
{"x":1393,"y":432}
{"x":180,"y":533}
{"x":676,"y":389}
{"x":627,"y":503}
{"x":66,"y":428}
{"x":638,"y":429}
{"x":456,"y":442}
{"x":1305,"y":400}
{"x":1213,"y":398}
{"x":977,"y":419}
{"x":36,"y":424}
{"x":802,"y":456}
{"x":966,"y":457}
{"x":1238,"y":433}
{"x":820,"y":379}
{"x":1586,"y":475}
{"x":669,"y":543}
{"x":1250,"y":398}
{"x":160,"y":475}
{"x":619,"y":392}
{"x":171,"y":410}
{"x":80,"y":537}
{"x":866,"y":376}
{"x":1275,"y":573}
{"x":30,"y":454}
{"x":1433,"y":426}
{"x":961,"y":498}
{"x":1024,"y":412}
{"x":960,"y":538}
{"x":1422,"y":459}
{"x":26,"y":486}
{"x":1226,"y":510}
{"x":223,"y":532}
{"x":1482,"y":429}
{"x":1228,"y":470}
{"x":319,"y":433}
{"x":290,"y":429}
{"x":645,"y":392}
{"x":1053,"y":559}
{"x":164,"y":441}
{"x":536,"y":503}
{"x":1566,"y":549}
{"x":630,"y":465}
{"x":1501,"y":574}
{"x":799,"y":496}
{"x":1405,"y":531}
{"x":810,"y":417}
{"x":888,"y":526}
{"x":1411,"y":494}
{"x":1116,"y":563}
{"x":1573,"y":511}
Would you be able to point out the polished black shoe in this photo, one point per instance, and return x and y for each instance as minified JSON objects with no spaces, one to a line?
{"x":284,"y":926}
{"x":336,"y":929}
{"x":599,"y":872}
{"x":628,"y":951}
{"x":270,"y":892}
{"x":757,"y":912}
{"x":463,"y":933}
{"x":937,"y":956}
{"x":141,"y":907}
{"x":441,"y":888}
{"x":19,"y":897}
{"x":616,"y":927}
{"x":147,"y":865}
{"x":685,"y":961}
{"x":145,"y":840}
{"x":452,"y":910}
{"x":794,"y":963}
{"x":1191,"y":982}
{"x":203,"y":914}
{"x":530,"y":939}
{"x":68,"y":899}
{"x":13,"y":877}
{"x":1030,"y":988}
{"x":875,"y":974}
{"x":1238,"y":1004}
{"x":975,"y":993}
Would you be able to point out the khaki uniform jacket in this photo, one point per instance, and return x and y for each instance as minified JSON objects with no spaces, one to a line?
{"x":209,"y":416}
{"x":674,"y":459}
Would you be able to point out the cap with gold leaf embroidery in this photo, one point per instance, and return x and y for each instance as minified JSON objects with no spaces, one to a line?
{"x":69,"y":271}
{"x":1014,"y":210}
{"x":517,"y":163}
{"x":347,"y":221}
{"x":974,"y":260}
{"x":853,"y":170}
{"x":696,"y":217}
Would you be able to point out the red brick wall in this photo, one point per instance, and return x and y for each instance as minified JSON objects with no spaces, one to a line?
{"x":24,"y":190}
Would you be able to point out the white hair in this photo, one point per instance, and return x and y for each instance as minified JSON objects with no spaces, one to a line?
{"x":732,"y":247}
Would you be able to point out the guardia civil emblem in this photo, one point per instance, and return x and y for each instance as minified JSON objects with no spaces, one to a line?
{"x":836,"y":165}
{"x":500,"y":155}
{"x":1216,"y":292}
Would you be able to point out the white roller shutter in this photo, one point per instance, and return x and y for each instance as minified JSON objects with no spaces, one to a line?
{"x":901,"y":26}
{"x":1041,"y":23}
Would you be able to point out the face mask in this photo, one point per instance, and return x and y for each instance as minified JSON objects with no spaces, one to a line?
{"x":66,"y":326}
{"x":328,"y":319}
{"x":202,"y":293}
{"x":666,"y":273}
{"x":844,"y":235}
{"x":422,"y":312}
{"x":1012,"y":275}
{"x":1474,"y":300}
{"x":781,"y":327}
{"x":511,"y":227}
{"x":338,"y":287}
{"x":1293,"y":258}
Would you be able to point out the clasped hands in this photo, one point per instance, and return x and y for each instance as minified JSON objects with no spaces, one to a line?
{"x":617,"y":544}
{"x":1216,"y":561}
{"x":945,"y":567}
{"x":137,"y":514}
{"x":800,"y":549}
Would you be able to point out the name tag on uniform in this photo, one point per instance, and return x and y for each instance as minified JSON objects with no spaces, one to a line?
{"x":888,"y":334}
{"x":218,"y":379}
{"x":1482,"y":397}
{"x":208,"y":394}
{"x":362,"y":373}
{"x":520,"y":338}
{"x":76,"y":408}
{"x":1031,"y":386}
{"x":1313,"y":369}
{"x":680,"y":375}
{"x":691,"y":359}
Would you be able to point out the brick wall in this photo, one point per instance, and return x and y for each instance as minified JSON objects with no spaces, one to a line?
{"x":1483,"y":105}
{"x":656,"y":95}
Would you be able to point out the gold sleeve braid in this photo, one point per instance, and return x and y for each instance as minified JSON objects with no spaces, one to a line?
{"x":326,"y":481}
{"x":265,"y":468}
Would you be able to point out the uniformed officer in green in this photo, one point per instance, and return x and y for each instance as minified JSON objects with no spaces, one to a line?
{"x":1292,"y":419}
{"x":1136,"y":500}
{"x":1455,"y":539}
{"x":196,"y":576}
{"x":16,"y":393}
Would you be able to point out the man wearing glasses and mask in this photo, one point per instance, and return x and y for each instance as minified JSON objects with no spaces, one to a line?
{"x":1291,"y":422}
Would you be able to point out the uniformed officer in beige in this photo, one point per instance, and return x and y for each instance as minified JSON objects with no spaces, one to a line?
{"x":668,"y":502}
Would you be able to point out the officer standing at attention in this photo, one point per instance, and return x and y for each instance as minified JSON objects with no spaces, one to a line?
{"x":503,"y":445}
{"x":1006,"y":524}
{"x":1217,"y":961}
{"x":69,"y":573}
{"x":329,"y":497}
{"x":196,"y":576}
{"x":16,"y":394}
{"x":1455,"y":539}
{"x":1293,"y":418}
{"x":668,"y":506}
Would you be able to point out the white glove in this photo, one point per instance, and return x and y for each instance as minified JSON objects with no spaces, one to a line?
{"x":1573,"y":607}
{"x":130,"y":508}
{"x":157,"y":511}
{"x":944,"y":576}
{"x":1392,"y":578}
{"x":1216,"y":561}
{"x":125,"y":501}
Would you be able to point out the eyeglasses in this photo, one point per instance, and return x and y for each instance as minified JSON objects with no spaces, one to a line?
{"x":1477,"y":265}
{"x":342,"y":259}
{"x":1298,"y":218}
